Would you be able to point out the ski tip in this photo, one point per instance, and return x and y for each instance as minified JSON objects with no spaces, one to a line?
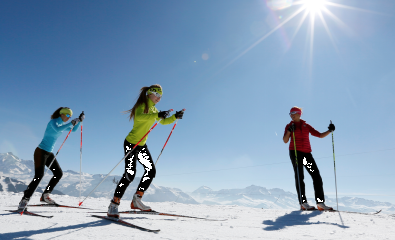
{"x":171,"y":110}
{"x":183,"y":109}
{"x":80,"y":204}
{"x":21,"y":213}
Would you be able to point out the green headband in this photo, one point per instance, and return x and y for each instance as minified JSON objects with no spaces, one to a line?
{"x":66,"y":111}
{"x":157,"y":90}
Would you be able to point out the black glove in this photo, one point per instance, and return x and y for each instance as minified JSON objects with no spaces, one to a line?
{"x":179,"y":114}
{"x":75,"y":121}
{"x":331,"y":127}
{"x":164,"y":114}
{"x":291,"y":128}
{"x":82,"y":116}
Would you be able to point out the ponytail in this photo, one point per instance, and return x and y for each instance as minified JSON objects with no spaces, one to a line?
{"x":142,"y":99}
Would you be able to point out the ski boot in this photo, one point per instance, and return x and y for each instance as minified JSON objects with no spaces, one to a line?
{"x":23,"y":204}
{"x":306,"y":207}
{"x":323,"y":207}
{"x":137,"y":204}
{"x":113,"y":208}
{"x":46,"y":199}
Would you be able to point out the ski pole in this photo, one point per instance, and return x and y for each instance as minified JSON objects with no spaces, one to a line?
{"x":167,"y":139}
{"x":297,"y":168}
{"x":334,"y":169}
{"x":122,"y":160}
{"x":81,"y":162}
{"x":52,"y":162}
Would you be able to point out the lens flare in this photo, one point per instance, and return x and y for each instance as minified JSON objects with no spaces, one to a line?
{"x":314,"y":6}
{"x":278,"y":4}
{"x":311,"y":10}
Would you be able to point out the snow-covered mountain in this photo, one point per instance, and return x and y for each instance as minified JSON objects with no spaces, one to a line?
{"x":260,"y":197}
{"x":22,"y":171}
{"x":252,"y":196}
{"x":11,"y":164}
{"x":8,"y":184}
{"x":12,"y":185}
{"x":70,"y":185}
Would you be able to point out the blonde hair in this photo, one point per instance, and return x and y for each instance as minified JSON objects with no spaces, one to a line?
{"x":140,"y":100}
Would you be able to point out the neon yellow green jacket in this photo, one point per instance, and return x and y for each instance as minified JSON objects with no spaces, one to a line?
{"x":144,"y":121}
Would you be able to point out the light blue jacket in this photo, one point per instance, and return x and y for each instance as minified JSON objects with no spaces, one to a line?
{"x":54,"y":129}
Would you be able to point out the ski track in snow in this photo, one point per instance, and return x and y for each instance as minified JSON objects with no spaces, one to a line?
{"x":241,"y":223}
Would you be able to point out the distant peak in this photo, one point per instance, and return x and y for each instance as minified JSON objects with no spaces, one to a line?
{"x":203,"y":189}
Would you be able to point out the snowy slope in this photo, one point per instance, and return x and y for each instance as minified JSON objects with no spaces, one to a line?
{"x":241,"y":223}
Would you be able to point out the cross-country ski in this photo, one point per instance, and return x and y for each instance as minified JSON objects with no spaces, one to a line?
{"x":56,"y":205}
{"x":163,"y":214}
{"x":122,"y":222}
{"x":29,"y":213}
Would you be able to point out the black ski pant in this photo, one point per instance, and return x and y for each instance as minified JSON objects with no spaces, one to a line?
{"x":43,"y":158}
{"x":141,"y":154}
{"x":307,"y":160}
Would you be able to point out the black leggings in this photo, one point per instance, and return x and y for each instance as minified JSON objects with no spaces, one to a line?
{"x":43,"y":158}
{"x":142,"y":154}
{"x":307,"y":160}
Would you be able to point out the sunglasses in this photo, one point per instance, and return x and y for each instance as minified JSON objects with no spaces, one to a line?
{"x":157,"y":94}
{"x":294,"y":112}
{"x":68,"y":115}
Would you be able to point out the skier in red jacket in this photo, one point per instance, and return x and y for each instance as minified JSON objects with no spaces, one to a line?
{"x":305,"y":158}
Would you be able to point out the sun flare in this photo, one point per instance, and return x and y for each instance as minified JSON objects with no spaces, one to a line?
{"x":314,"y":6}
{"x":310,"y":11}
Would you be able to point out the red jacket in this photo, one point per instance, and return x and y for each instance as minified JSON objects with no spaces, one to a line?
{"x":302,"y":130}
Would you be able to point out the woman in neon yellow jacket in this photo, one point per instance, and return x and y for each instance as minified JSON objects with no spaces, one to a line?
{"x":144,"y":114}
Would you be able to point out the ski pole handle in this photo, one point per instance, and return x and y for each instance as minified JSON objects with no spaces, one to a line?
{"x":168,"y":139}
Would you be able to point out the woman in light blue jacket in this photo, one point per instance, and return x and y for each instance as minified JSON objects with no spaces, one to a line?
{"x":43,"y":155}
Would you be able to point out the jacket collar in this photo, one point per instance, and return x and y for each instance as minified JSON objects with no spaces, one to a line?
{"x":150,"y":102}
{"x":301,"y":121}
{"x":59,"y":121}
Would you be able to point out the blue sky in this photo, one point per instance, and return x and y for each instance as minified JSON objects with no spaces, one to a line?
{"x":217,"y":60}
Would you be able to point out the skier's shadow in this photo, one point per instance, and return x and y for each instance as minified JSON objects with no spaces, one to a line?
{"x":295,"y":218}
{"x":25,"y":235}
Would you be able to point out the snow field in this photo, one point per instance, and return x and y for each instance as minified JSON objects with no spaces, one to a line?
{"x":241,"y":223}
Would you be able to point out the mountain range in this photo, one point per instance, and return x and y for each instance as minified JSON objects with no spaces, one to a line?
{"x":16,"y":173}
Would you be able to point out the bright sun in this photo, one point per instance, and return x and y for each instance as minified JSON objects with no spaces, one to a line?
{"x":308,"y":9}
{"x":313,"y":6}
